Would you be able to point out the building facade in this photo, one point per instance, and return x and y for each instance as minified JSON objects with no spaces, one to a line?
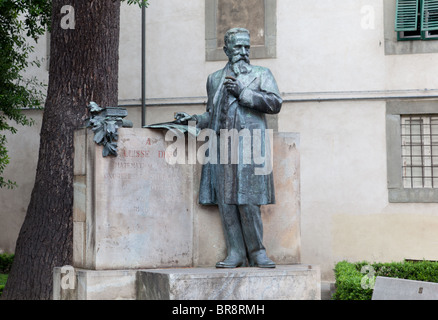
{"x":362,"y":96}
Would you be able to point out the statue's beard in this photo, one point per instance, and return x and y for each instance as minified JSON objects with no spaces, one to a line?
{"x":240,"y":66}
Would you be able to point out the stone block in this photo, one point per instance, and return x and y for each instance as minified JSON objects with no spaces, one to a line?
{"x":401,"y":289}
{"x":286,"y":282}
{"x":79,"y":198}
{"x":80,"y":145}
{"x":94,"y":284}
{"x":281,"y":221}
{"x":79,"y":242}
{"x":138,"y":207}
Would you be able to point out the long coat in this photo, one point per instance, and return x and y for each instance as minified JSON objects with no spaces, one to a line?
{"x":260,"y":96}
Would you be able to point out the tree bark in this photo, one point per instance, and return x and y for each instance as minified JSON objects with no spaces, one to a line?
{"x":83,"y":68}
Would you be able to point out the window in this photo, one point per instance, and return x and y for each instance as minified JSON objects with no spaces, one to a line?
{"x":419,"y":137}
{"x":394,"y":45}
{"x":412,"y":151}
{"x":258,"y":16}
{"x":416,"y":19}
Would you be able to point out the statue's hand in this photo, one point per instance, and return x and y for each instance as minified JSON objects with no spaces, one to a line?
{"x":183,"y":118}
{"x":233,"y":86}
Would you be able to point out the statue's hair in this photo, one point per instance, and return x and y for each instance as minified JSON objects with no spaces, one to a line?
{"x":234,"y":31}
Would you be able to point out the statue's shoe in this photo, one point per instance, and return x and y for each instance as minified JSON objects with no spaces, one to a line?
{"x":231,"y":262}
{"x":261,"y":261}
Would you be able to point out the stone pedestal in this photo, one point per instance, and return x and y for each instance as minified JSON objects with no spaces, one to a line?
{"x":291,"y":282}
{"x":136,"y":211}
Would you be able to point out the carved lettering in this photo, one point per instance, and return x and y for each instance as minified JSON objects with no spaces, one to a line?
{"x":134,"y":153}
{"x":130,"y":165}
{"x":121,"y":176}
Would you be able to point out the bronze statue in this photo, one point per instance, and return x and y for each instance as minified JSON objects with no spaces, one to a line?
{"x":239,"y":96}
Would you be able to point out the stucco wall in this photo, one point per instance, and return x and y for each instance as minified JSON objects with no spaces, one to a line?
{"x":23,"y":153}
{"x":324,"y":47}
{"x":344,"y":195}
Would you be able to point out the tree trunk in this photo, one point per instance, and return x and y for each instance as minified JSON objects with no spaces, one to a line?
{"x":83,"y":68}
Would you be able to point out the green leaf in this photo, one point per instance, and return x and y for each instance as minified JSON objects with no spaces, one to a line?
{"x":140,"y":3}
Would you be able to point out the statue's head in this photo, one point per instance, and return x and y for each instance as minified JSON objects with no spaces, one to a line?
{"x":237,"y":45}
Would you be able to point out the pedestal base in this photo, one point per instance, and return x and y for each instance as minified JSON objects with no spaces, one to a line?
{"x":285,"y":282}
{"x":292,"y":282}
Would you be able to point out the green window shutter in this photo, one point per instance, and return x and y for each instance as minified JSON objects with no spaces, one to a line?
{"x":406,"y":16}
{"x":429,"y":15}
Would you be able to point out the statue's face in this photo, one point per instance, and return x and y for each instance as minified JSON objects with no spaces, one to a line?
{"x":238,"y":48}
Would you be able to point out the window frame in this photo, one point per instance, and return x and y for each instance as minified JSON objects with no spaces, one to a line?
{"x":397,"y":193}
{"x":425,"y":36}
{"x":419,"y":141}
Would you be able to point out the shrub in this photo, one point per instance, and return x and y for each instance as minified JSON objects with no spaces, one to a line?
{"x":352,"y":280}
{"x":3,"y":278}
{"x":5,"y":266}
{"x":18,"y":19}
{"x":348,"y":283}
{"x":6,"y":260}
